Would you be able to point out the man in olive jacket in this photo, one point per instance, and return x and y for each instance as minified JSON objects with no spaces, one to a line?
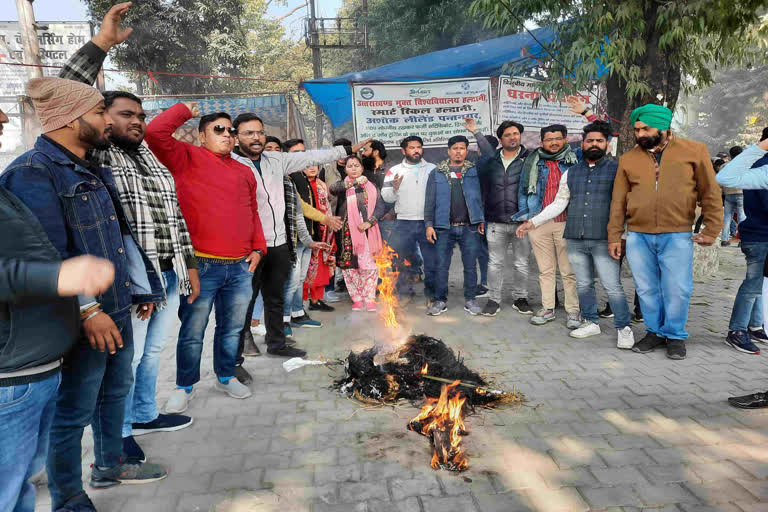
{"x":658,"y":184}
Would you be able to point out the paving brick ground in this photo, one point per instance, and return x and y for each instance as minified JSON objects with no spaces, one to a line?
{"x":605,"y":430}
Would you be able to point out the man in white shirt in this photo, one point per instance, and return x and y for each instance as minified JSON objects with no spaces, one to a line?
{"x":406,"y":185}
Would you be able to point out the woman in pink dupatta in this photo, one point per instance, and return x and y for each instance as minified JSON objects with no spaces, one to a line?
{"x":360,"y":205}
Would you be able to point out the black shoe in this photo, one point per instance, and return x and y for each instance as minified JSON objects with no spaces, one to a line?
{"x":491,"y":308}
{"x":481,"y":291}
{"x":286,"y":351}
{"x":607,"y":312}
{"x":522,"y":307}
{"x":637,"y":316}
{"x":249,"y":345}
{"x":163,"y":423}
{"x":649,"y":343}
{"x":320,"y":305}
{"x":753,"y":401}
{"x":132,"y":452}
{"x":242,"y":375}
{"x":79,"y":503}
{"x":724,"y":243}
{"x":128,"y":473}
{"x":675,"y":349}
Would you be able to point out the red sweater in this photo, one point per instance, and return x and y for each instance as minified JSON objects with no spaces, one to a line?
{"x":217,"y":194}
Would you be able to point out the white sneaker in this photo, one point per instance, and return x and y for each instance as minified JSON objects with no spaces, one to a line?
{"x":259,"y":330}
{"x":179,"y":401}
{"x":233,"y":388}
{"x":586,"y":330}
{"x":626,"y":338}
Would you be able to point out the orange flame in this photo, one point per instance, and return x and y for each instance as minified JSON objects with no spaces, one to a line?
{"x":387,"y":288}
{"x":444,"y":415}
{"x":425,"y":370}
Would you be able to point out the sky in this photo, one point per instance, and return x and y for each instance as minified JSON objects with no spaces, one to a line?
{"x":75,"y":10}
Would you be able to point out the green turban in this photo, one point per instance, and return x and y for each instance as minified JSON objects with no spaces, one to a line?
{"x":656,"y":116}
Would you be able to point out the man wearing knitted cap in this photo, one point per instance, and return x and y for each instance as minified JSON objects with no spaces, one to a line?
{"x":658,"y":185}
{"x":148,"y":196}
{"x":78,"y":206}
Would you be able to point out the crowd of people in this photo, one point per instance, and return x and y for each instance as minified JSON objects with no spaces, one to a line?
{"x":113,"y":228}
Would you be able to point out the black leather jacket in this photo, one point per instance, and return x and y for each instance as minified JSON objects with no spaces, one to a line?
{"x":499,"y":186}
{"x":36,"y":325}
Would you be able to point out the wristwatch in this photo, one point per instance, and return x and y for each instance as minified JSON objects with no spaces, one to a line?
{"x":261,"y":253}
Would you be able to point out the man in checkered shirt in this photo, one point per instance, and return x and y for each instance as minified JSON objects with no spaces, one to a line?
{"x":148,"y":196}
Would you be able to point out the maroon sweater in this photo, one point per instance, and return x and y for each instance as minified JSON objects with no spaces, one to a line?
{"x":217,"y":194}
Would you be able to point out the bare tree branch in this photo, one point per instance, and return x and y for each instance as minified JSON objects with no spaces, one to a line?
{"x":281,"y":18}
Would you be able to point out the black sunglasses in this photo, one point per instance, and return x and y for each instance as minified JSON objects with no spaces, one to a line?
{"x":219,"y":129}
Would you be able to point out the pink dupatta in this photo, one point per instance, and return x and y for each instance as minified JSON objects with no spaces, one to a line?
{"x":354,"y":219}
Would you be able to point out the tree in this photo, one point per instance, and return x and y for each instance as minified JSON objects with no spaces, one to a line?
{"x":730,"y":112}
{"x":651,"y":49}
{"x":208,"y":37}
{"x":181,"y":36}
{"x":399,"y":29}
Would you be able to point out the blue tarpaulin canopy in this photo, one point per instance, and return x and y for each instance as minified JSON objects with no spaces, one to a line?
{"x":488,"y":58}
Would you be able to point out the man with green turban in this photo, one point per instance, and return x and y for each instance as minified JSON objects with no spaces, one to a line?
{"x":658,"y":184}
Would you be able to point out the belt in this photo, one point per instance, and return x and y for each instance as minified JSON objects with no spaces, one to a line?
{"x":221,"y":261}
{"x":459,"y":223}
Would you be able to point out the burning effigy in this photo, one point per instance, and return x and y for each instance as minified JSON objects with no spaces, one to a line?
{"x":420,"y":367}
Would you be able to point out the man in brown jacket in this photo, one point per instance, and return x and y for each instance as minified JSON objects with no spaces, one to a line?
{"x":658,"y":184}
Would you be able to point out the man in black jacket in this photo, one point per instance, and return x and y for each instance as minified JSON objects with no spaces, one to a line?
{"x":499,"y":173}
{"x":37,"y":298}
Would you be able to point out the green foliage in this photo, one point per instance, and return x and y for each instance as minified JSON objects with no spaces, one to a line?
{"x":399,"y":29}
{"x":208,"y":37}
{"x":651,"y":49}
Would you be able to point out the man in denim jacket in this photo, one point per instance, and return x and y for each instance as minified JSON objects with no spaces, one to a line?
{"x":453,"y":214}
{"x":78,"y":206}
{"x":539,"y":182}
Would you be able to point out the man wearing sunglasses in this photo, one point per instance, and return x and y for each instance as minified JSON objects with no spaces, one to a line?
{"x":217,"y":195}
{"x":269,"y":169}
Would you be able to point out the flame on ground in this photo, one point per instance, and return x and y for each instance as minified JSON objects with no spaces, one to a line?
{"x":387,"y":288}
{"x":442,"y":421}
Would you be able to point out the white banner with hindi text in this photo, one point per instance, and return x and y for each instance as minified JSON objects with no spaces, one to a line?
{"x":520,"y":101}
{"x":433,"y":110}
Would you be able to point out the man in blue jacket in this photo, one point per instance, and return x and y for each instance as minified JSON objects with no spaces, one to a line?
{"x":78,"y":206}
{"x":749,"y":172}
{"x":539,"y":182}
{"x":453,"y":214}
{"x":37,"y":299}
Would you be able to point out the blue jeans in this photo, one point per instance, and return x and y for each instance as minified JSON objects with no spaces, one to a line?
{"x":748,"y":306}
{"x":149,"y":338}
{"x":258,"y":308}
{"x":229,"y":288}
{"x":386,"y":228}
{"x":93,"y":389}
{"x":588,"y":257}
{"x":294,"y":286}
{"x":482,"y":260}
{"x":732,"y":203}
{"x":662,"y":266}
{"x":409,"y":236}
{"x":26,"y":413}
{"x":469,"y":243}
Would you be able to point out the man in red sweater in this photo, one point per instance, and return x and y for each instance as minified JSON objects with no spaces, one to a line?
{"x":217,"y":196}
